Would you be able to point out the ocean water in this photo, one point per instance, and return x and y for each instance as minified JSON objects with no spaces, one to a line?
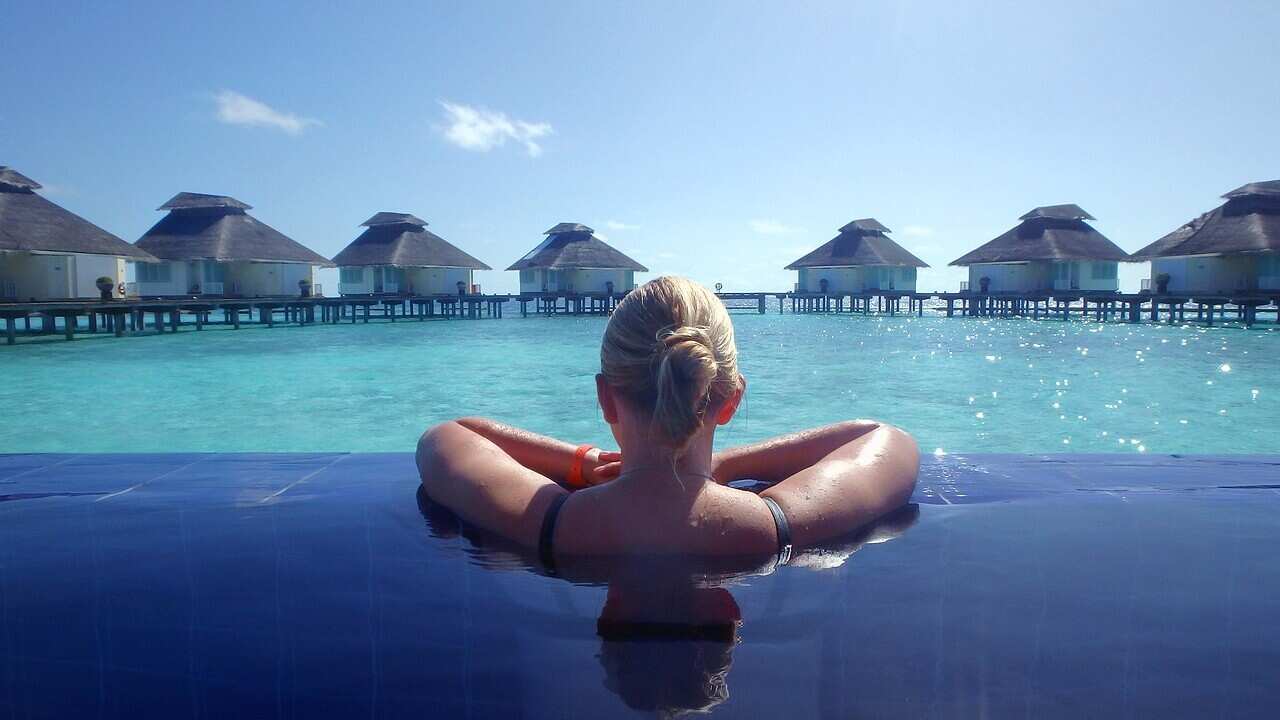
{"x":958,"y":385}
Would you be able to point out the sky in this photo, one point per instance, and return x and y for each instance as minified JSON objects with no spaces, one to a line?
{"x":716,"y":140}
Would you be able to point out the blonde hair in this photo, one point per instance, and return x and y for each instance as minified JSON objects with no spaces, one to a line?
{"x":669,"y":349}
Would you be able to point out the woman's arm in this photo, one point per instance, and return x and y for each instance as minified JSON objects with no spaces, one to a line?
{"x":482,"y":483}
{"x":832,"y":479}
{"x":500,"y":477}
{"x":777,"y":459}
{"x":544,"y":455}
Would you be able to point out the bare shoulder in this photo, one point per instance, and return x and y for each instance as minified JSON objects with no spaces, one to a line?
{"x":436,"y":443}
{"x":607,"y":519}
{"x":880,"y":440}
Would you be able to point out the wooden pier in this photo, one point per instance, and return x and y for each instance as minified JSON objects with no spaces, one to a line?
{"x":568,"y":303}
{"x":1245,"y":309}
{"x":1127,"y":307}
{"x":162,"y":315}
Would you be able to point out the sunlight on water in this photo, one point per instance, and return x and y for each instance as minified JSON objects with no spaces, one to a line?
{"x":959,"y":385}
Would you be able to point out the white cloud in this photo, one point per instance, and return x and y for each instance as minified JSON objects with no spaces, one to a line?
{"x":237,"y":109}
{"x":773,"y":227}
{"x":54,"y":190}
{"x":917,"y":231}
{"x":619,"y":225}
{"x":473,"y":128}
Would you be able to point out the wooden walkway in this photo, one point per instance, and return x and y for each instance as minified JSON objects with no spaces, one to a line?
{"x":163,"y":315}
{"x":1246,"y":309}
{"x":889,"y":302}
{"x":568,"y":303}
{"x":170,"y":314}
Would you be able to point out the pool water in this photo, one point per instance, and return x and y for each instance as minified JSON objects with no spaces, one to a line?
{"x":959,"y":385}
{"x":324,"y":585}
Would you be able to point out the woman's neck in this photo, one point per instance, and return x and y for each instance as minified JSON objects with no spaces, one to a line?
{"x":657,"y":468}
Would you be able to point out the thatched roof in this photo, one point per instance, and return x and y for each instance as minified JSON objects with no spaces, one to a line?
{"x":392,"y":218}
{"x":216,"y":227}
{"x":1053,"y":232}
{"x":572,"y":246}
{"x":1249,"y":221}
{"x":16,"y":180}
{"x":870,"y":224}
{"x":1069,"y":211}
{"x":403,"y":240}
{"x":192,"y":201}
{"x":29,"y":223}
{"x":1269,"y":188}
{"x":861,"y":242}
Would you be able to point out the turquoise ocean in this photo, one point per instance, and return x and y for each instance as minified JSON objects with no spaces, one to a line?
{"x":959,"y":385}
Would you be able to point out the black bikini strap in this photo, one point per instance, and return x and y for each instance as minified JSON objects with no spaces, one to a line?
{"x":546,"y":553}
{"x":784,"y":530}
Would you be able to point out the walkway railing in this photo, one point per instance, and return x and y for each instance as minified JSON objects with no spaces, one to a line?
{"x":170,"y":314}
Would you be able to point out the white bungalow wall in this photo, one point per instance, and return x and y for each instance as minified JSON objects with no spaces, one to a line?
{"x":1220,"y":274}
{"x":1044,"y":276}
{"x":355,"y":280}
{"x":164,"y":278}
{"x":363,"y":280}
{"x":858,"y":278}
{"x":1269,"y":271}
{"x":532,"y":281}
{"x":263,"y":279}
{"x":436,"y":280}
{"x":51,"y":277}
{"x":247,"y":279}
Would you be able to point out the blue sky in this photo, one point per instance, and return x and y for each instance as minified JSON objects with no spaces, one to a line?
{"x":715,"y":140}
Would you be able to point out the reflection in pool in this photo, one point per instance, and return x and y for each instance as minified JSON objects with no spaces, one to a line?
{"x":669,"y":625}
{"x":223,"y":585}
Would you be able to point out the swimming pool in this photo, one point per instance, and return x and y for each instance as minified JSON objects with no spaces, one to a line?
{"x":322,"y":585}
{"x":961,"y":384}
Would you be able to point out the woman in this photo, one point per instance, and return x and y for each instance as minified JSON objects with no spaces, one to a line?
{"x":669,"y":376}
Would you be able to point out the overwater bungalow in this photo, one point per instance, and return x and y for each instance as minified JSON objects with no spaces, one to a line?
{"x":1052,"y":249}
{"x":573,"y":259}
{"x":49,"y":253}
{"x":1234,"y":247}
{"x":398,"y":254}
{"x":210,"y":245}
{"x":861,"y":258}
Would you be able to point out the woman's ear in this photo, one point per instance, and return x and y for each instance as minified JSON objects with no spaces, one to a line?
{"x":730,"y":405}
{"x":608,"y":403}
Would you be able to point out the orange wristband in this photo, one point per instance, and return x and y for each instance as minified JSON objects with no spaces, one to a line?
{"x":575,"y":470}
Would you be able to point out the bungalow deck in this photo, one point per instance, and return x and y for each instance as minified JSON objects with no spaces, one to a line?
{"x":1245,"y":308}
{"x":171,"y":314}
{"x":568,"y":303}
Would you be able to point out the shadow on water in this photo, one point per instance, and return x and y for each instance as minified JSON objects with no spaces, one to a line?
{"x":669,"y":624}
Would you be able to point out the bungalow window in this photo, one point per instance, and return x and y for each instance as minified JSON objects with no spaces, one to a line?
{"x":215,"y":272}
{"x":153,"y":272}
{"x":1103,"y":270}
{"x":526,"y":276}
{"x":351,"y":275}
{"x":1269,"y":265}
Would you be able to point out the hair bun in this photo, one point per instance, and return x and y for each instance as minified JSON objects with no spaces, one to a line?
{"x":686,"y":369}
{"x":669,"y":349}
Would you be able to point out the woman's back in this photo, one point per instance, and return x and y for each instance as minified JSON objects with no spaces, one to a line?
{"x":668,"y":378}
{"x":704,"y":519}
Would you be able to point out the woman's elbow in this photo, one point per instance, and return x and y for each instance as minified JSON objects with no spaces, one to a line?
{"x":902,"y":455}
{"x":432,"y":447}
